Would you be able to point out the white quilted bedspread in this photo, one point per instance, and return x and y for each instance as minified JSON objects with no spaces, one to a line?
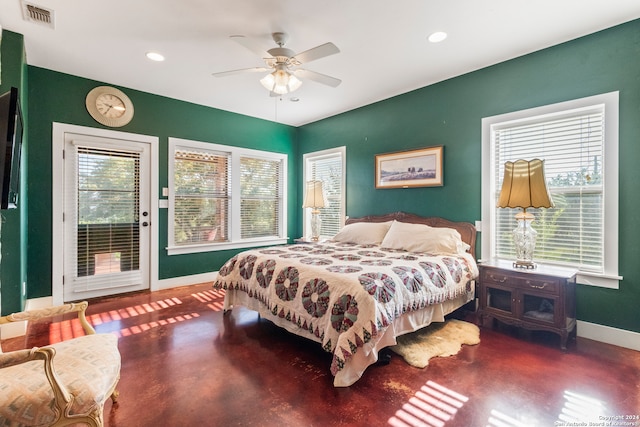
{"x":343,"y":294}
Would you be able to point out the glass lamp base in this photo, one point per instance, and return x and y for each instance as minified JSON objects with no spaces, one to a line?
{"x":524,"y":241}
{"x":315,"y":225}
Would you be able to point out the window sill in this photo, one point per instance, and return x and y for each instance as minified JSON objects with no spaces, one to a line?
{"x":222,"y":246}
{"x":599,"y":280}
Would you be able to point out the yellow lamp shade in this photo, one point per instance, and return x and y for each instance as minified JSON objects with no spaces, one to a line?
{"x":524,"y":185}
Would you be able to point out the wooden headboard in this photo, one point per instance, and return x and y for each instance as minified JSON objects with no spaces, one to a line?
{"x":467,"y":230}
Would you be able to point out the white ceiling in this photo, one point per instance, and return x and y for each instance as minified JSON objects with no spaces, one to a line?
{"x":383,"y":44}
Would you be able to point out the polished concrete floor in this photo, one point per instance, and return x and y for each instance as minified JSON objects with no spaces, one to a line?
{"x":184,"y":363}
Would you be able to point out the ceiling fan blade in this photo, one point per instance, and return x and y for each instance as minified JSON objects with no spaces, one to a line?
{"x":241,"y":71}
{"x":252,"y":44}
{"x":316,"y":53}
{"x":317,"y":77}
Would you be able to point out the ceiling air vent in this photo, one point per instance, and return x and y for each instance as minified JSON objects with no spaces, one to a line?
{"x":38,"y":14}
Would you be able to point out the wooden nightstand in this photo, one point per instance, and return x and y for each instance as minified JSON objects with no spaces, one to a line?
{"x":538,"y":299}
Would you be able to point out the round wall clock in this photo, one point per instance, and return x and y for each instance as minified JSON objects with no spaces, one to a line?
{"x":109,"y":106}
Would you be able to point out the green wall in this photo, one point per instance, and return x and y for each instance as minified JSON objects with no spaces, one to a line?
{"x":450,"y":113}
{"x":57,"y":97}
{"x":13,"y":225}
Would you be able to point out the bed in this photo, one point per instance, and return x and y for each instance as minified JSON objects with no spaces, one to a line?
{"x":380,"y":277}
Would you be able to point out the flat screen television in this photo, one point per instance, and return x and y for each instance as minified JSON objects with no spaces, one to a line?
{"x":10,"y":148}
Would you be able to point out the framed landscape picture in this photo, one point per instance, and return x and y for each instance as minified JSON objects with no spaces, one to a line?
{"x":415,"y":168}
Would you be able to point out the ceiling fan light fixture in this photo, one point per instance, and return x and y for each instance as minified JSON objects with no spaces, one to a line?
{"x":281,"y":82}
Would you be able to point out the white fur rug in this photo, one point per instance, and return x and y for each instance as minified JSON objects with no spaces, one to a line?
{"x":438,"y":339}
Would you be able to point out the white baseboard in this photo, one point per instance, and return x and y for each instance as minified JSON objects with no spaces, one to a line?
{"x":609,"y":335}
{"x":35,"y":303}
{"x":175,"y":282}
{"x":12,"y":330}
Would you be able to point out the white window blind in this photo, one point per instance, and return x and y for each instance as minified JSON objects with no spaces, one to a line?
{"x":261,"y":200}
{"x":328,"y":166}
{"x":107,"y":211}
{"x":571,"y":146}
{"x":201,"y":196}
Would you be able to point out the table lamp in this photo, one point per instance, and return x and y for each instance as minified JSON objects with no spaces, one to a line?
{"x":314,"y":199}
{"x":524,"y":186}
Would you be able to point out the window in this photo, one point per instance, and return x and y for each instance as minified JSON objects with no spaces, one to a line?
{"x":327,"y":166}
{"x":260,"y":197}
{"x":200,"y":196}
{"x":578,"y":142}
{"x":223,"y":197}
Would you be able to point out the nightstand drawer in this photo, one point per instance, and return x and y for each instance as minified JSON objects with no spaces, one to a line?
{"x":495,"y":277}
{"x":551,"y":286}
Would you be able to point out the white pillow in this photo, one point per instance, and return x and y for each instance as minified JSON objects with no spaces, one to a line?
{"x":422,"y":238}
{"x":363,"y":233}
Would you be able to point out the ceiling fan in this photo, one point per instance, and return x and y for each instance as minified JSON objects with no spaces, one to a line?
{"x":284,"y":78}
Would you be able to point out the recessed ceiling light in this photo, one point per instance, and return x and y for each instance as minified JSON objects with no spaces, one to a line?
{"x":437,"y":37}
{"x":155,"y":56}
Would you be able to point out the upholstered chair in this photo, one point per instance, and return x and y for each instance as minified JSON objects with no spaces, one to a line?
{"x":59,"y":384}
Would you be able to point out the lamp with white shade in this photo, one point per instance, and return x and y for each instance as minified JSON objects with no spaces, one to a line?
{"x":524,"y":186}
{"x":314,"y":199}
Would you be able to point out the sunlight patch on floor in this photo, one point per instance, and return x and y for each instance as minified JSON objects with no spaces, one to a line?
{"x":432,"y":406}
{"x":581,"y":408}
{"x":213,"y":298}
{"x":137,"y":329}
{"x":577,"y":410}
{"x":132,"y":311}
{"x":68,"y":329}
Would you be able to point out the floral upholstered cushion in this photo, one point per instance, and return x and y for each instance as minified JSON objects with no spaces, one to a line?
{"x":88,"y":366}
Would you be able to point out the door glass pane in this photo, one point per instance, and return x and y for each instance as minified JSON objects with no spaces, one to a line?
{"x":108,"y":205}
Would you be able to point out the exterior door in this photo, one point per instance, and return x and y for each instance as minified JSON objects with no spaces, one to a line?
{"x":106,"y":216}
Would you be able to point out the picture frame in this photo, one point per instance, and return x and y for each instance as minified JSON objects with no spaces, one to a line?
{"x":413,"y":168}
